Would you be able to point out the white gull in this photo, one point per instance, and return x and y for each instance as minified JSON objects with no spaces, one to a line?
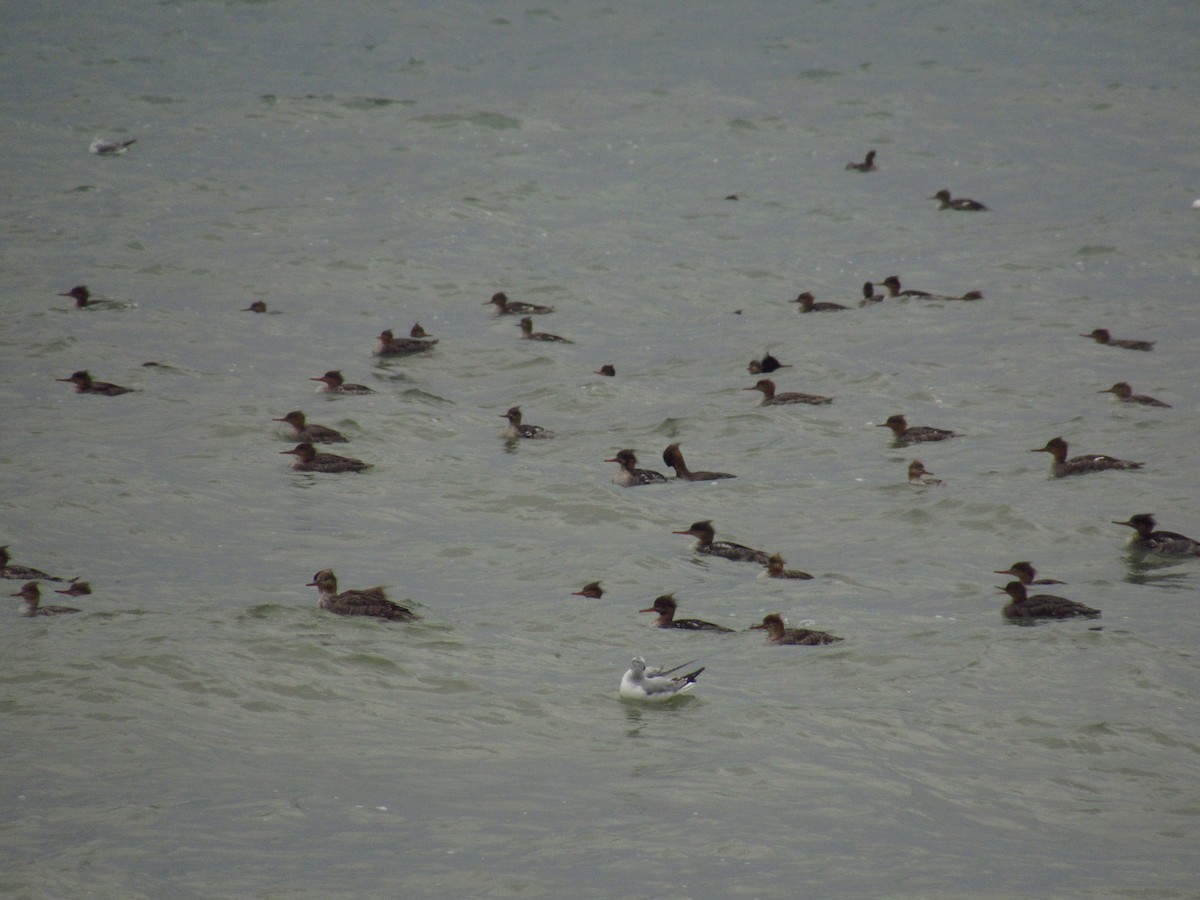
{"x":642,"y":683}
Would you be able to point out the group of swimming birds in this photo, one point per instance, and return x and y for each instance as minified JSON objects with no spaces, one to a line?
{"x":642,"y":681}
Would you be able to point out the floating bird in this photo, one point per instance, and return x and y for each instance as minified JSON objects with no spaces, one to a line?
{"x":506,"y":307}
{"x":867,"y":165}
{"x":387,"y":344}
{"x":770,"y":398}
{"x":869,"y":295}
{"x":309,"y":460}
{"x":101,"y":147}
{"x":775,"y":569}
{"x":527,"y":332}
{"x":809,"y":304}
{"x":1041,"y":606}
{"x":629,"y":475}
{"x":21,"y":573}
{"x":778,"y":633}
{"x":653,"y":684}
{"x":1101,"y":336}
{"x":368,"y":602}
{"x":903,"y":435}
{"x":1061,"y":467}
{"x":336,"y":384}
{"x":1025,"y":573}
{"x":313,"y":434}
{"x":892,"y":283}
{"x":418,"y":332}
{"x":76,"y":588}
{"x":673,"y":457}
{"x":918,"y":474}
{"x":517,"y":430}
{"x":591,"y":590}
{"x":666,"y":605}
{"x":961,"y":203}
{"x":607,"y":369}
{"x":32,"y":596}
{"x":1126,"y":395}
{"x":1168,"y":543}
{"x":258,"y":306}
{"x":83,"y":297}
{"x":767,"y":364}
{"x":85,"y":385}
{"x":703,"y":532}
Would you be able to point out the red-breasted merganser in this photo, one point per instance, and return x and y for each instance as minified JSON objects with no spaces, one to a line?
{"x":1025,"y":573}
{"x":336,"y":384}
{"x":776,"y":568}
{"x":918,"y":474}
{"x":703,"y":532}
{"x":867,"y":165}
{"x":76,"y":588}
{"x":809,"y":304}
{"x":368,"y":602}
{"x":313,"y":434}
{"x":387,"y":344}
{"x":101,"y":147}
{"x":770,"y":398}
{"x":516,"y":430}
{"x":903,"y":435}
{"x":33,"y":597}
{"x":83,"y":297}
{"x":506,"y":307}
{"x":418,"y":332}
{"x":654,"y":684}
{"x":1168,"y":543}
{"x":258,"y":306}
{"x":607,"y":369}
{"x":961,"y":203}
{"x":1042,"y":606}
{"x":1126,"y":395}
{"x":591,"y":590}
{"x":85,"y":385}
{"x":869,"y":295}
{"x":766,"y":365}
{"x":309,"y":460}
{"x":629,"y":475}
{"x":527,"y":332}
{"x":673,"y":457}
{"x":778,"y":633}
{"x":1061,"y":467}
{"x":21,"y":573}
{"x":1101,"y":336}
{"x":892,"y":283}
{"x":665,"y":607}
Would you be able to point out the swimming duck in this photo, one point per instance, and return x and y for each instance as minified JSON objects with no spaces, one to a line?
{"x":666,"y":605}
{"x":1168,"y":543}
{"x":776,"y":569}
{"x":867,"y":165}
{"x":809,"y":304}
{"x":778,"y":633}
{"x":629,"y":475}
{"x":1061,"y":467}
{"x":85,"y":385}
{"x":1025,"y":573}
{"x":313,"y":434}
{"x":506,"y":307}
{"x":1101,"y":336}
{"x":1041,"y":606}
{"x":961,"y":203}
{"x":368,"y":602}
{"x":703,"y":532}
{"x":903,"y":434}
{"x":770,"y":398}
{"x":527,"y":332}
{"x":1125,"y":394}
{"x":517,"y":430}
{"x":309,"y":460}
{"x":673,"y":457}
{"x":32,"y":596}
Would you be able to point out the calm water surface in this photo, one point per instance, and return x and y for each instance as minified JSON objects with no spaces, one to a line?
{"x":201,"y":729}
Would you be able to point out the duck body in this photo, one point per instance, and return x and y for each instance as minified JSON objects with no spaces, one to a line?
{"x":311,"y":433}
{"x":766,"y":365}
{"x":776,"y":568}
{"x":892,"y":283}
{"x":1165,"y":543}
{"x":673,"y":457}
{"x":703,"y":532}
{"x":32,"y":596}
{"x":771,"y":398}
{"x":1042,"y":606}
{"x":309,"y":460}
{"x":903,"y":434}
{"x":778,"y":633}
{"x":870,"y":295}
{"x":517,"y":430}
{"x":655,"y":685}
{"x":1025,"y":573}
{"x":666,"y":605}
{"x":1101,"y":336}
{"x":84,"y":384}
{"x":101,"y":147}
{"x":867,"y":165}
{"x":809,"y":304}
{"x":369,"y":602}
{"x":388,"y":344}
{"x":1125,"y":394}
{"x":592,"y":590}
{"x":1061,"y":467}
{"x":506,"y":307}
{"x":962,"y":204}
{"x":919,"y":475}
{"x":629,"y":475}
{"x":334,"y":383}
{"x":21,"y":573}
{"x":527,"y":332}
